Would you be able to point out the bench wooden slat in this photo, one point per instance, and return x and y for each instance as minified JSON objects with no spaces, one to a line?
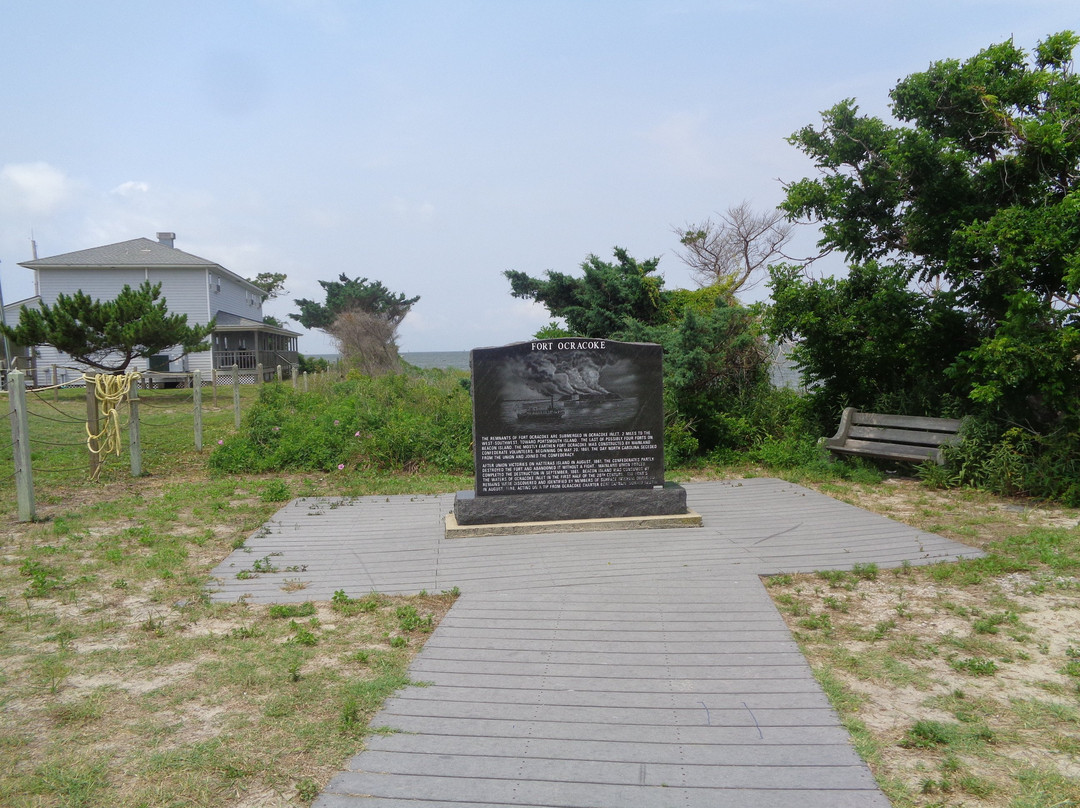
{"x":895,"y":451}
{"x":907,"y":421}
{"x":902,"y":435}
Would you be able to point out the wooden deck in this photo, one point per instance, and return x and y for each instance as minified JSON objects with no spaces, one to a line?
{"x":631,"y":668}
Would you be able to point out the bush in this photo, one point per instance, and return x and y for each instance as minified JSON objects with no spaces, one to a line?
{"x":395,"y":422}
{"x":1010,"y":460}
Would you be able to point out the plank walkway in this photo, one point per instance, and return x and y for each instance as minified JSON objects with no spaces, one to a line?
{"x":621,"y":669}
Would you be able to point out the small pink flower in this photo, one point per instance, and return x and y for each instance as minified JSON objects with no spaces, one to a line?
{"x":356,"y":435}
{"x":277,"y":428}
{"x":336,"y":422}
{"x":340,"y":466}
{"x":220,"y":442}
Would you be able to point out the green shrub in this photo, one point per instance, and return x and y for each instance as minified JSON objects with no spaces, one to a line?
{"x":1011,"y":461}
{"x":396,"y":422}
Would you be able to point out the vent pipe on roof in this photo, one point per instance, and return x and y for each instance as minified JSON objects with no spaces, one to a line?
{"x":166,"y":238}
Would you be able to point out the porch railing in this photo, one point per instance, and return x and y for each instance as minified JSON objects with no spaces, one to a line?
{"x":248,"y":360}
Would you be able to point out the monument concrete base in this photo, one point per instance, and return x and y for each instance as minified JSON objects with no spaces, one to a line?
{"x":454,"y":530}
{"x":596,"y":510}
{"x":471,"y":509}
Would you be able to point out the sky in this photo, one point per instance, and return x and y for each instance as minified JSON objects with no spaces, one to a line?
{"x":434,"y":145}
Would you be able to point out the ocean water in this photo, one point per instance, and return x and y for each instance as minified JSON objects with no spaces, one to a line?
{"x":437,"y":359}
{"x":421,"y":359}
{"x":782,"y":370}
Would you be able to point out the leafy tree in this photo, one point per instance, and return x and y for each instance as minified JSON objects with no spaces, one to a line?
{"x":312,"y":364}
{"x":714,"y":368}
{"x":603,"y":300}
{"x":713,"y":357}
{"x":108,"y":335}
{"x":362,"y":316}
{"x":352,"y":294}
{"x":271,"y":283}
{"x":866,"y":340}
{"x":976,"y":193}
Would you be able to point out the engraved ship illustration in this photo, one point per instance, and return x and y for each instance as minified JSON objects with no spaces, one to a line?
{"x":545,"y":412}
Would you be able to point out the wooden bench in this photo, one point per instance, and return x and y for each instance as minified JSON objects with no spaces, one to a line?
{"x":911,"y":438}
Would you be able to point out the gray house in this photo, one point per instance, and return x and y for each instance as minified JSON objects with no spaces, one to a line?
{"x":201,"y":289}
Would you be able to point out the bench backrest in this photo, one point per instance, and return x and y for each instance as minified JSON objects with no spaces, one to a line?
{"x":917,"y":430}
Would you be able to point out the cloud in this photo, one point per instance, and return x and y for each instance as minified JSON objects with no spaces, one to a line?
{"x":35,"y":188}
{"x":131,"y":188}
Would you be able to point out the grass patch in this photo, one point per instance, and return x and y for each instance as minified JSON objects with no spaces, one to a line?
{"x":138,"y":690}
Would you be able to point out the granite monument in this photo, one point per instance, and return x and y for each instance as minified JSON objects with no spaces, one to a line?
{"x":568,"y":429}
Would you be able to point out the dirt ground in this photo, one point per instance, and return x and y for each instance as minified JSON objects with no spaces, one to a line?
{"x":961,"y":689}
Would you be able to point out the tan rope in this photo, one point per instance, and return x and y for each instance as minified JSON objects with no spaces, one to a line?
{"x":110,"y":391}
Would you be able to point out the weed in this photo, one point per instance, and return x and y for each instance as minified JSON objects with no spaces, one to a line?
{"x":865,"y":572}
{"x":881,"y":628}
{"x":307,"y":790}
{"x":399,"y":642}
{"x":989,"y":623}
{"x":347,"y":606}
{"x":409,"y":619}
{"x":52,"y":670}
{"x":927,"y":734}
{"x":817,"y":622}
{"x":280,"y":610}
{"x":43,"y":579}
{"x":302,"y":636}
{"x":976,"y":666}
{"x":275,"y":491}
{"x":1072,"y":668}
{"x":835,"y":578}
{"x":836,"y":604}
{"x":264,"y":564}
{"x":350,"y":713}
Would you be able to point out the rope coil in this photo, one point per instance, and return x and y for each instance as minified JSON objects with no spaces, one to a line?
{"x":110,"y":391}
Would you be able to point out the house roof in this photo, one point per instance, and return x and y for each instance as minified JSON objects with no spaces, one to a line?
{"x":138,"y":252}
{"x":225,"y":321}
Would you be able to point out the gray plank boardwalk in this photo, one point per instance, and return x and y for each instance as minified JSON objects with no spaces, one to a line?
{"x":625,"y":668}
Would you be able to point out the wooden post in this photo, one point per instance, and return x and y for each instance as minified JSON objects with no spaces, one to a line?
{"x":134,"y":431}
{"x":292,"y":375}
{"x":280,"y":378}
{"x":214,"y":384}
{"x":92,"y":444}
{"x":56,"y":384}
{"x":259,"y":373}
{"x":196,"y":395}
{"x":20,"y":446}
{"x":236,"y":395}
{"x":305,"y":381}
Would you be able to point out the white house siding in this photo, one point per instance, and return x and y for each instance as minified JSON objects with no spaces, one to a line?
{"x":234,"y":297}
{"x":99,"y":284}
{"x":184,"y":290}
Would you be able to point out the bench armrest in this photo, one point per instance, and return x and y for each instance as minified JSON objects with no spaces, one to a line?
{"x":847,"y":418}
